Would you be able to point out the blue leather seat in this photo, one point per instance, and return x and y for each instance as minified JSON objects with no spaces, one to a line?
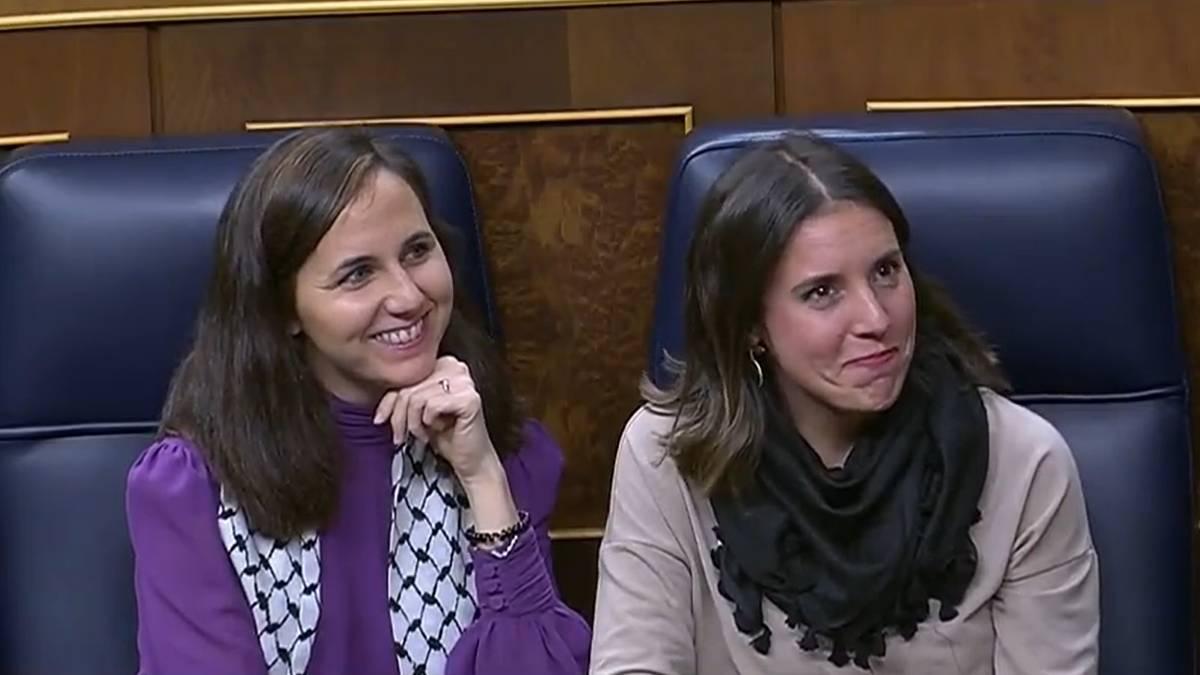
{"x":105,"y":250}
{"x":1047,"y":228}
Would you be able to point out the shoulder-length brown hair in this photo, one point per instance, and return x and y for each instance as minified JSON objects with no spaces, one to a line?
{"x":245,"y":394}
{"x":745,"y":222}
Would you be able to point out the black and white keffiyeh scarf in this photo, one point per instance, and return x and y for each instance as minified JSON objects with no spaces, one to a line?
{"x":430,"y":588}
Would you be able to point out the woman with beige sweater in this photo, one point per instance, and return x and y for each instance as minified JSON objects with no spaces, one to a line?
{"x":832,"y":481}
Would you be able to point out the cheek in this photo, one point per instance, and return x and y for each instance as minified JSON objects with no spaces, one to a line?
{"x":435,"y":281}
{"x":801,"y":339}
{"x":325,"y":320}
{"x":902,"y":308}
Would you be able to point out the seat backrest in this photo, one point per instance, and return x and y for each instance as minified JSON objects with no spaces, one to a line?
{"x":105,"y":253}
{"x":1047,"y":228}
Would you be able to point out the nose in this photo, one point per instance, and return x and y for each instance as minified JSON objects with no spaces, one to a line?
{"x":870,"y":317}
{"x":402,"y":295}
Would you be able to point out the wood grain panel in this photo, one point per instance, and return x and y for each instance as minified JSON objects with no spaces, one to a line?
{"x":217,"y":76}
{"x":90,"y":82}
{"x":837,"y":54}
{"x":717,"y":57}
{"x":571,"y":220}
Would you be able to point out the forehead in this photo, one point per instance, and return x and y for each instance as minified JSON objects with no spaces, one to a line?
{"x":384,"y":211}
{"x":843,"y":233}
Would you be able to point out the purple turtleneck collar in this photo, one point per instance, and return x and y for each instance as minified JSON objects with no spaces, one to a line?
{"x":356,"y":425}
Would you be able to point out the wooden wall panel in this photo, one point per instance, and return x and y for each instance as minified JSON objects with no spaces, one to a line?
{"x":715,"y":57}
{"x":836,"y":54}
{"x":571,"y":218}
{"x":89,"y":82}
{"x":218,"y":76}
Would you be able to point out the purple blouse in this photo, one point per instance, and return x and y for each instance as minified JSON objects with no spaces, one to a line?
{"x":194,"y":617}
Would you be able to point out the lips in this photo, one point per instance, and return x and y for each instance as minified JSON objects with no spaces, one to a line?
{"x":401,"y":336}
{"x":875,"y":360}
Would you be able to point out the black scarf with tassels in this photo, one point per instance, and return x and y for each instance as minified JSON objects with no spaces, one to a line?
{"x":853,"y":555}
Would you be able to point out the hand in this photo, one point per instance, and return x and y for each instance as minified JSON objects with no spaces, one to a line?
{"x":445,"y":411}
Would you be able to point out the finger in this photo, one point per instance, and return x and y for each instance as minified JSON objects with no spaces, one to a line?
{"x":415,"y":410}
{"x":447,"y":365}
{"x":439,"y":408}
{"x":399,"y":418}
{"x":384,"y":409}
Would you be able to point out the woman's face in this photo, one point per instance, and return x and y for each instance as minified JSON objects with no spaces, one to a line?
{"x":374,"y":298}
{"x":839,"y":318}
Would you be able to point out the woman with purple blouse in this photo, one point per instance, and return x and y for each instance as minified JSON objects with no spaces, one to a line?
{"x":342,"y":483}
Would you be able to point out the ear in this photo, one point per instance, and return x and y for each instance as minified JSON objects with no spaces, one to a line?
{"x":758,"y":342}
{"x":294,"y":328}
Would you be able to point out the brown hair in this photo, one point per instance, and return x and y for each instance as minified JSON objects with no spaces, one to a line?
{"x":745,"y":222}
{"x":245,"y":394}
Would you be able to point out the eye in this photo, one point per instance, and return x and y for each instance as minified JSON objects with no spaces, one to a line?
{"x":418,"y":251}
{"x":821,"y":295}
{"x":356,"y":276}
{"x":888,"y":270}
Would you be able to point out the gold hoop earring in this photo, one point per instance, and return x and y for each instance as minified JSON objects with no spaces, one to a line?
{"x":758,"y":369}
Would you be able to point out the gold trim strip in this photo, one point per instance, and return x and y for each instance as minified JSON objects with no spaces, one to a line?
{"x":683,"y":111}
{"x":30,"y":139}
{"x":1132,"y":103}
{"x":577,"y":534}
{"x":260,"y":10}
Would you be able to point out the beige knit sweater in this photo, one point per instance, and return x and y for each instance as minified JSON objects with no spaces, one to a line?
{"x":1032,"y":609}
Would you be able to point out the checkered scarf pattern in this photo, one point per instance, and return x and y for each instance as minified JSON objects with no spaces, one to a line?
{"x":430,"y":590}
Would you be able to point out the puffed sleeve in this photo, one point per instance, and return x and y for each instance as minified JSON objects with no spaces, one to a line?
{"x":523,"y":624}
{"x":192,"y":615}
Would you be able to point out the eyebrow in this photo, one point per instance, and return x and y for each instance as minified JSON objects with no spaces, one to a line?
{"x":352,"y":262}
{"x":418,"y":236}
{"x":813,"y":282}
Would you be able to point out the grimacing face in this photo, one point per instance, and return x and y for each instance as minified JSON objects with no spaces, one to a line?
{"x":374,"y":298}
{"x":839,"y":313}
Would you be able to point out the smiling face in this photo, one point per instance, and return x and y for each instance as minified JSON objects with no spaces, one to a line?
{"x":374,"y":298}
{"x":839,"y":317}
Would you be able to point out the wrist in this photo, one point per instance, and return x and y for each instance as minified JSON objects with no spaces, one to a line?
{"x":487,"y":476}
{"x":487,"y":491}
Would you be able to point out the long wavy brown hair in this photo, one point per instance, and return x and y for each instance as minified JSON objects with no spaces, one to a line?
{"x":245,"y":394}
{"x":745,"y":222}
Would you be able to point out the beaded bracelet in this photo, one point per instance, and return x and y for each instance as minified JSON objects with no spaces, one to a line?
{"x":510,"y":532}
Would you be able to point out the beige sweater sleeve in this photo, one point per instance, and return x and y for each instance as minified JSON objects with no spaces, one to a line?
{"x":1046,"y":611}
{"x":643,"y":622}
